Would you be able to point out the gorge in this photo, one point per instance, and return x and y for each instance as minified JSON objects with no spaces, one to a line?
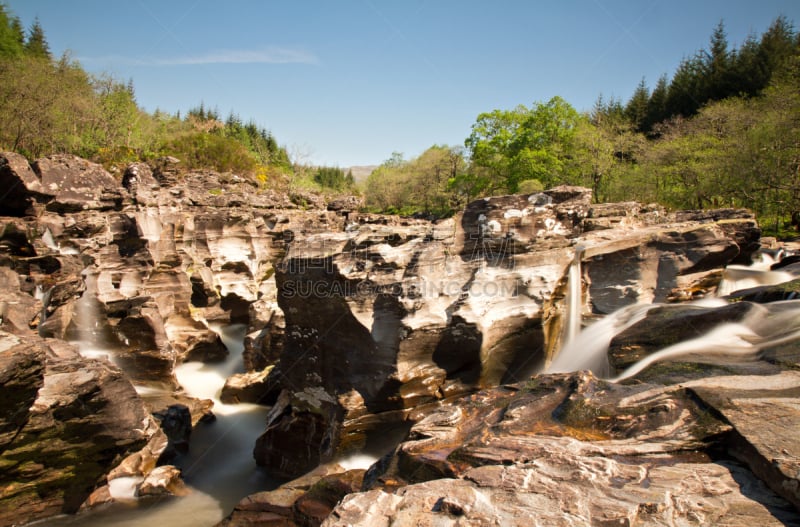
{"x":189,"y":344}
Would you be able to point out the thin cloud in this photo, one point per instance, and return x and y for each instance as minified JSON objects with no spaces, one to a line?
{"x":270,"y":55}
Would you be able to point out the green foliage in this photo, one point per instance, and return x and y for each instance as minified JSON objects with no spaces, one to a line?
{"x":36,"y":45}
{"x":508,"y":147}
{"x":334,"y":178}
{"x":423,"y":185}
{"x":49,"y":106}
{"x":199,"y":150}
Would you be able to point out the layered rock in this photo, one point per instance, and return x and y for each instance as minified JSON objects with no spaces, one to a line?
{"x":385,"y":318}
{"x":356,"y":322}
{"x":572,"y":450}
{"x":307,"y":500}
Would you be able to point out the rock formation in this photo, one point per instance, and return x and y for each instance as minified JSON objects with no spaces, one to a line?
{"x":357,"y":323}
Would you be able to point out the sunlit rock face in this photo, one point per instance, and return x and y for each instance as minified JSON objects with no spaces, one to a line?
{"x":354,"y":321}
{"x":388,"y":317}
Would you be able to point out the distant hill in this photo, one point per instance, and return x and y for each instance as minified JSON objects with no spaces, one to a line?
{"x":360,"y":173}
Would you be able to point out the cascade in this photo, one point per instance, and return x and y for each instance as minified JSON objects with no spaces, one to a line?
{"x":44,"y":296}
{"x":587,"y":351}
{"x":773,"y":324}
{"x":218,"y":470}
{"x":572,"y":325}
{"x":49,"y":241}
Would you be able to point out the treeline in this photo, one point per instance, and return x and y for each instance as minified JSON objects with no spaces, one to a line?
{"x":50,"y":105}
{"x":712,"y":74}
{"x":724,"y":131}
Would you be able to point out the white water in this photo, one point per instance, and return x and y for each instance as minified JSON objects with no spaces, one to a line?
{"x":90,"y":342}
{"x":588,"y":350}
{"x":219,"y":469}
{"x":572,"y":324}
{"x":738,"y":277}
{"x":356,"y":461}
{"x":768,"y":325}
{"x":49,"y":241}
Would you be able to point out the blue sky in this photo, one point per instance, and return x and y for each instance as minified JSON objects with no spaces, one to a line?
{"x":349,"y":82}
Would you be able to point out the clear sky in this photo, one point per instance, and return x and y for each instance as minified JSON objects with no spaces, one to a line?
{"x":349,"y":82}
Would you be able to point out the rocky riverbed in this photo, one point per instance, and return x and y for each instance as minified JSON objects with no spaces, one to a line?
{"x":447,"y":334}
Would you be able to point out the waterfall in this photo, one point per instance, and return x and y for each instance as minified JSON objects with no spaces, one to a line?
{"x":44,"y":297}
{"x":87,"y":335}
{"x":588,"y":350}
{"x":771,"y":324}
{"x":572,"y":324}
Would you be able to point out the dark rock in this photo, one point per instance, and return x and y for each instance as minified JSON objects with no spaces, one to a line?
{"x":176,"y":422}
{"x":301,"y":433}
{"x":86,"y":418}
{"x":22,"y":189}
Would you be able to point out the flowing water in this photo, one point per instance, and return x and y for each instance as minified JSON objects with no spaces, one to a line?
{"x":768,"y":325}
{"x":572,"y":325}
{"x":219,"y":469}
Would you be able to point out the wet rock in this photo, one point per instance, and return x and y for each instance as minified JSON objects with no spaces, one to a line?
{"x":249,"y":387}
{"x":307,"y":500}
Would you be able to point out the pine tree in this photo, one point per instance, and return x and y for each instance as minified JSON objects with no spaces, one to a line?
{"x":636,"y":109}
{"x":684,"y":93}
{"x":777,"y":45}
{"x":11,"y":34}
{"x":717,"y":68}
{"x":36,"y":45}
{"x":657,"y":104}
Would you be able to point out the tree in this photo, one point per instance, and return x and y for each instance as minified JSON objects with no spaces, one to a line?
{"x":491,"y":146}
{"x":12,"y":36}
{"x":718,"y":61}
{"x":656,"y":105}
{"x":508,"y":147}
{"x":636,"y":109}
{"x":426,"y":184}
{"x":36,"y":44}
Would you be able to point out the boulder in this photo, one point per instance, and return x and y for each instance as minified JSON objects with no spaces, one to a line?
{"x":86,"y":417}
{"x":300,"y":434}
{"x":22,"y":188}
{"x":77,"y":184}
{"x":307,"y":500}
